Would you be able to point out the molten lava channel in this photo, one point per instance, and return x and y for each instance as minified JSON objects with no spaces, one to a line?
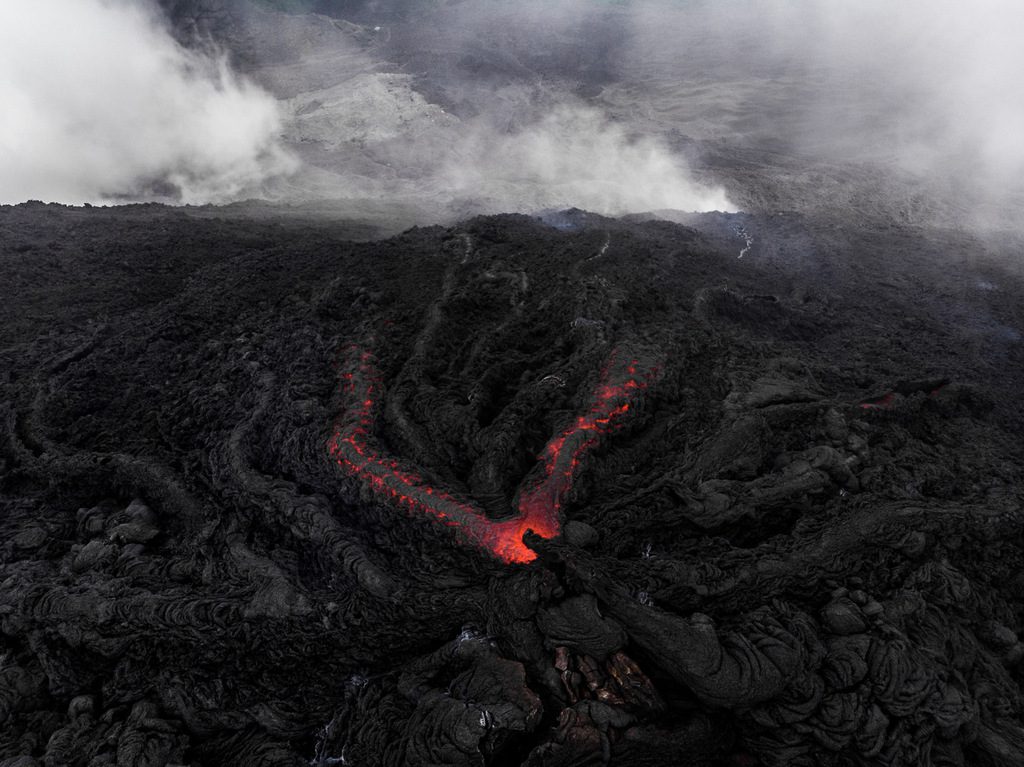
{"x":352,"y":447}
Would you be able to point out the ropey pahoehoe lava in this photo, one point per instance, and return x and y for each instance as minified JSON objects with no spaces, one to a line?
{"x":766,"y":529}
{"x":558,"y":384}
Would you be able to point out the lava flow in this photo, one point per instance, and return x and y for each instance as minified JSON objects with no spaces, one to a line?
{"x":884,"y":402}
{"x":539,"y":505}
{"x":933,"y":388}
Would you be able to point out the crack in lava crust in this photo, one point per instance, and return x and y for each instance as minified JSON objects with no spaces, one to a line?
{"x":540,"y":506}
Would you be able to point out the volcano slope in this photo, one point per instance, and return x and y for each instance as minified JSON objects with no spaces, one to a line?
{"x":520,"y":491}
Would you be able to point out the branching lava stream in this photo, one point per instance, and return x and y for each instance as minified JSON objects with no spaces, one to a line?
{"x":540,"y":505}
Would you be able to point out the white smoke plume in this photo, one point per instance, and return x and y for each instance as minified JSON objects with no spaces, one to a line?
{"x":494,"y":105}
{"x":100,"y":102}
{"x":929,"y":88}
{"x":574,"y":156}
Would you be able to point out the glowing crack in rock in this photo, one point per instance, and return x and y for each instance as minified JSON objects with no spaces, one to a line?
{"x":888,"y":401}
{"x":540,"y":505}
{"x":881,"y":403}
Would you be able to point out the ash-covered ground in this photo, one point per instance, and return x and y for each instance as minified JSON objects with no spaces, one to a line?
{"x":264,"y":485}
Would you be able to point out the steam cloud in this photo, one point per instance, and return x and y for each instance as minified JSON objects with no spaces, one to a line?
{"x":574,"y":156}
{"x":930,"y":88}
{"x":100,"y":102}
{"x":606,"y":106}
{"x":919,"y":101}
{"x":950,"y":77}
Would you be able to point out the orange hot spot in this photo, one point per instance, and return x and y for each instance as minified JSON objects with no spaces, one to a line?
{"x":882,"y":403}
{"x":539,"y":506}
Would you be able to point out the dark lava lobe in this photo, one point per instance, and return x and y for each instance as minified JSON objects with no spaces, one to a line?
{"x":504,"y":493}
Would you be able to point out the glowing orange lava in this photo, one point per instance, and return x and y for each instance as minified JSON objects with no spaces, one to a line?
{"x":351,"y":447}
{"x":882,"y":403}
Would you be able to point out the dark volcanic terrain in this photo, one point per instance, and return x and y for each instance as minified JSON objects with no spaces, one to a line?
{"x":264,"y":483}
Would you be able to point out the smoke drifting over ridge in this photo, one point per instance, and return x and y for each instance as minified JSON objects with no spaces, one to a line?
{"x":927,"y":89}
{"x":100,"y":102}
{"x":574,"y":156}
{"x":908,"y":111}
{"x":485,"y":106}
{"x":103,"y":104}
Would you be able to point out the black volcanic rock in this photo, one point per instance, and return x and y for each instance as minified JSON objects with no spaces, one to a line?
{"x":266,"y":493}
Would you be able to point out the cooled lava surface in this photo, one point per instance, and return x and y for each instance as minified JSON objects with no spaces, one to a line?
{"x":276,"y":492}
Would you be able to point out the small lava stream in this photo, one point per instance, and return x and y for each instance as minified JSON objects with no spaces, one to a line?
{"x":352,"y":447}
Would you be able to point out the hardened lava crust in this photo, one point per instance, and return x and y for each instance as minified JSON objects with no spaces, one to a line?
{"x":543,"y":491}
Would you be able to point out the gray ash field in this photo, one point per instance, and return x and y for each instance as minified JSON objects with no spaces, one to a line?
{"x":419,"y":462}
